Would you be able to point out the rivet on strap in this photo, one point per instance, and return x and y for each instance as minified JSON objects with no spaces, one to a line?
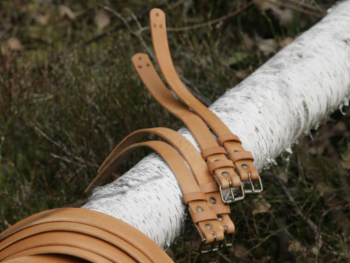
{"x":228,"y":137}
{"x":213,"y":150}
{"x":220,"y":164}
{"x":195,"y":196}
{"x":237,"y":156}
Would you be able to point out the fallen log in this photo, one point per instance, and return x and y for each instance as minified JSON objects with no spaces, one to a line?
{"x":280,"y":102}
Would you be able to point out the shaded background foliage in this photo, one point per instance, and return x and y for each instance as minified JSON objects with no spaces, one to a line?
{"x":66,"y":101}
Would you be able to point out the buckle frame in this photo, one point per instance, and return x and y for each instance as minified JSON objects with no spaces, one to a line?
{"x":254,"y":190}
{"x":234,"y":199}
{"x":212,"y":248}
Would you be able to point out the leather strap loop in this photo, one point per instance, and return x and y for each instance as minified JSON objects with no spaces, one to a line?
{"x":220,"y":164}
{"x":220,"y":209}
{"x":209,"y":187}
{"x":213,"y":150}
{"x":196,"y":196}
{"x":228,"y":137}
{"x":203,"y":216}
{"x":238,"y":156}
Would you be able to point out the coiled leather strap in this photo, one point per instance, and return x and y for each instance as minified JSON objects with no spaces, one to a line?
{"x":80,"y":234}
{"x":245,"y":168}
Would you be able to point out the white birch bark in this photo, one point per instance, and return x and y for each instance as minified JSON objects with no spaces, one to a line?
{"x":281,"y":101}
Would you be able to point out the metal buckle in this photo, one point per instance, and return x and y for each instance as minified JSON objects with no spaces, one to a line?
{"x":227,"y":245}
{"x":212,"y":247}
{"x":254,"y":190}
{"x":234,"y":199}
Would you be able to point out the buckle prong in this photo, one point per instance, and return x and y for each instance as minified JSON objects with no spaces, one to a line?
{"x":254,"y":190}
{"x":234,"y":198}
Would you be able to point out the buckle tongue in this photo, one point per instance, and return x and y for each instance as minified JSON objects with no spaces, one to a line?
{"x":234,"y":198}
{"x":254,"y":190}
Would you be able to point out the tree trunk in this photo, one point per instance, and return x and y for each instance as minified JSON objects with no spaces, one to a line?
{"x":281,"y":101}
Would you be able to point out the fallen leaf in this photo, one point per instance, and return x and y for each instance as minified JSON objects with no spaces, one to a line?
{"x":42,"y":19}
{"x":243,"y":73}
{"x":102,"y":19}
{"x":240,"y":251}
{"x":295,"y":246}
{"x":261,"y":206}
{"x":268,"y":46}
{"x":13,"y":44}
{"x":265,"y":5}
{"x":65,"y":12}
{"x":284,"y":16}
{"x":248,"y":42}
{"x":283,"y":177}
{"x":285,"y":42}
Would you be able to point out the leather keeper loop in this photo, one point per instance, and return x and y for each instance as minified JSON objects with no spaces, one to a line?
{"x":238,"y":156}
{"x":204,"y":216}
{"x":194,"y":196}
{"x":213,"y":150}
{"x":228,"y":137}
{"x":220,"y":164}
{"x":220,"y":209}
{"x":209,"y":187}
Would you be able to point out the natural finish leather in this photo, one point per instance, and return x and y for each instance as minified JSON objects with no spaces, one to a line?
{"x":161,"y":49}
{"x":89,"y":235}
{"x":46,"y":259}
{"x":184,"y":177}
{"x":193,"y":122}
{"x":192,"y":157}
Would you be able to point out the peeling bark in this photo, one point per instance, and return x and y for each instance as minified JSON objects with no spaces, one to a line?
{"x":280,"y":102}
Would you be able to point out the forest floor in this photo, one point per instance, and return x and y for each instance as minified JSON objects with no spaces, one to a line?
{"x":69,"y":94}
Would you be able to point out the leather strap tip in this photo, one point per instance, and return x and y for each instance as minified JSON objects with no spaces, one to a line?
{"x":213,"y":150}
{"x":228,"y":137}
{"x":220,"y":164}
{"x":194,"y":196}
{"x":204,"y":216}
{"x":239,"y":156}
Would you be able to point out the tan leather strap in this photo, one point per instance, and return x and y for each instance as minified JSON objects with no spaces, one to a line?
{"x":84,"y":224}
{"x":194,"y":123}
{"x":185,"y":178}
{"x":39,"y":258}
{"x":161,"y":48}
{"x":192,"y":157}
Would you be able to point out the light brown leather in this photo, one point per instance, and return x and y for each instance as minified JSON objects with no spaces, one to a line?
{"x":193,"y":122}
{"x":192,"y":157}
{"x":184,"y":177}
{"x":161,"y":48}
{"x":46,"y":259}
{"x":82,"y":225}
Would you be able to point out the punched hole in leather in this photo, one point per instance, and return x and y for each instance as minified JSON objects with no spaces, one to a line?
{"x":161,"y":48}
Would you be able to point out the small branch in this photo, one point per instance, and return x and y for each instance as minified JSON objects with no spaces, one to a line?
{"x":294,"y":8}
{"x":136,"y":34}
{"x":307,"y":6}
{"x":211,"y":22}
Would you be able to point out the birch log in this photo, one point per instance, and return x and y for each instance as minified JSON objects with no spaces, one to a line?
{"x":281,"y":101}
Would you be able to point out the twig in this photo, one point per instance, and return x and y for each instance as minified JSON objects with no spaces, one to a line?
{"x":294,"y":8}
{"x":307,"y":6}
{"x":115,"y":29}
{"x":309,"y":222}
{"x":136,"y":34}
{"x":211,"y":22}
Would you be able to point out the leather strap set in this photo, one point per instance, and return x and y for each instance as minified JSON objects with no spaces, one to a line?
{"x":211,"y":181}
